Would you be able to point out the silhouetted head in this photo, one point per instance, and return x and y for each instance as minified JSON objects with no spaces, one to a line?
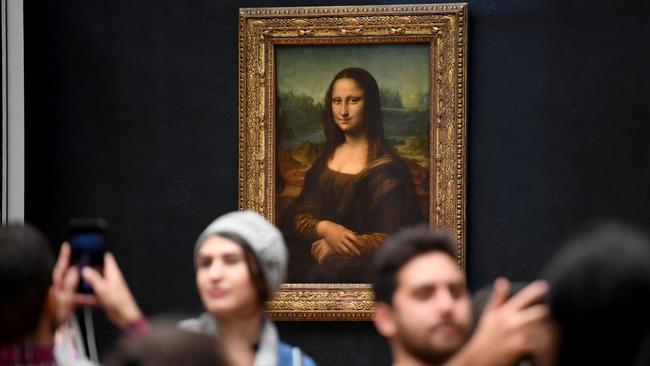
{"x":26,"y":263}
{"x":600,"y":295}
{"x":167,"y":345}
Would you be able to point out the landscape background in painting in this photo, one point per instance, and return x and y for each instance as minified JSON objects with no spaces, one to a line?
{"x":303,"y":74}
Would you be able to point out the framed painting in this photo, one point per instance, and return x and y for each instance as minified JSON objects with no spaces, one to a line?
{"x":352,"y":125}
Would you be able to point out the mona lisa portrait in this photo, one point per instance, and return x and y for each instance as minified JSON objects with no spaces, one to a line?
{"x":353,"y":165}
{"x":352,"y":125}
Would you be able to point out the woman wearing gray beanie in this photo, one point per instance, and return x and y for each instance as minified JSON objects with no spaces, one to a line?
{"x":241,"y":260}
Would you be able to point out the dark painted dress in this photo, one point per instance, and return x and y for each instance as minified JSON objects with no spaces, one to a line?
{"x":377,"y":202}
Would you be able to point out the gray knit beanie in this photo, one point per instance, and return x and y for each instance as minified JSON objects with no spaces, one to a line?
{"x":264,"y":239}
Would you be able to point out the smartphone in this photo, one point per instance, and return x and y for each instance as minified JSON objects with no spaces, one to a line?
{"x":87,"y":238}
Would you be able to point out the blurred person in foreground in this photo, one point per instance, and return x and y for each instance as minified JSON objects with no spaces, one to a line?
{"x":600,"y":297}
{"x":241,"y":260}
{"x":423,"y":308}
{"x":37,"y":296}
{"x":167,"y":345}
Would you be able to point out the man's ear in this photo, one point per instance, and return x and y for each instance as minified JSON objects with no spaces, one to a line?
{"x":384,"y":321}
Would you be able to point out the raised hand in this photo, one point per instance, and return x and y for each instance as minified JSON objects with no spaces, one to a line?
{"x":509,"y":328}
{"x":113,"y":293}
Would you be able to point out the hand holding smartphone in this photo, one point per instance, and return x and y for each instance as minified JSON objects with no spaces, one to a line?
{"x":87,"y":242}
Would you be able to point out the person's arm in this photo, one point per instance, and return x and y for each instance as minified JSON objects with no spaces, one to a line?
{"x":371,"y":242}
{"x":113,"y":295}
{"x":110,"y":292}
{"x":304,"y":224}
{"x":509,"y":329}
{"x":367,"y":243}
{"x":64,"y":285}
{"x":302,"y":213}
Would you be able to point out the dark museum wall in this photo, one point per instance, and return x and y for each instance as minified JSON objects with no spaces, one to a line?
{"x":132,"y":115}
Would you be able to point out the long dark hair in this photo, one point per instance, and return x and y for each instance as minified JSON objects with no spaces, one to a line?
{"x":372,"y":122}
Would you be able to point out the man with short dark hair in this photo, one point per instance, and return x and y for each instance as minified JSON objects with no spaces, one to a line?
{"x":423,"y":307}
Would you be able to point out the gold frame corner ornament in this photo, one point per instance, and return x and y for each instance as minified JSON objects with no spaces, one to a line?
{"x":444,"y":27}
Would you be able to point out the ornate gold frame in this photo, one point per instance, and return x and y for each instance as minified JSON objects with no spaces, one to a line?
{"x":444,"y":28}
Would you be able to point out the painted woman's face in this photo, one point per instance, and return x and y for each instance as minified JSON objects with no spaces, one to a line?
{"x":347,"y":105}
{"x":223,"y":278}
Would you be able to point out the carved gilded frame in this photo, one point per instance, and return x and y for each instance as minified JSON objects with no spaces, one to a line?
{"x":444,"y":28}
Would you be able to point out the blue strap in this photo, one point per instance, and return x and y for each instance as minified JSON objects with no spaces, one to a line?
{"x":293,"y":356}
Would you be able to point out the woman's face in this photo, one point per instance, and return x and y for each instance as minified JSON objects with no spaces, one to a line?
{"x":223,"y":278}
{"x":348,"y":101}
